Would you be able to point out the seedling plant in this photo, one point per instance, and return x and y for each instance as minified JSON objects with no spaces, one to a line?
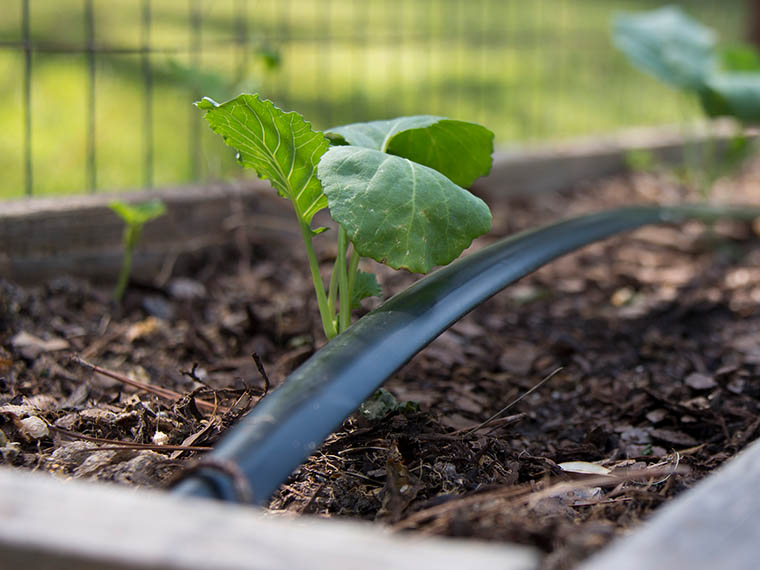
{"x":135,"y":216}
{"x":724,"y":81}
{"x":395,"y":188}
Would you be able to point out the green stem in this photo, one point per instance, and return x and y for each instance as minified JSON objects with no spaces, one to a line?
{"x":352,"y":268}
{"x":691,"y":152}
{"x":344,"y":314}
{"x":332,"y":295}
{"x":319,"y":287}
{"x":712,"y":168}
{"x":121,"y":284}
{"x":131,"y":236}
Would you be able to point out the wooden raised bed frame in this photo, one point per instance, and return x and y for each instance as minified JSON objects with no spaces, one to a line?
{"x":45,"y":523}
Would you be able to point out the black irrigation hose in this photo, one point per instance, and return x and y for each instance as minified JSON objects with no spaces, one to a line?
{"x":290,"y":423}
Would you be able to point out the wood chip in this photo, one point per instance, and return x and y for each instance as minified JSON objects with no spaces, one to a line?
{"x":700,"y":381}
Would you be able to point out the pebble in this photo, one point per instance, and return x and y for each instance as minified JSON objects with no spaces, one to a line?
{"x":33,"y":428}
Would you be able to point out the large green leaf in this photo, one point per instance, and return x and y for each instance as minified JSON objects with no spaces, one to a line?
{"x":377,"y":134}
{"x":280,"y":146}
{"x":398,"y":212}
{"x":667,"y":44}
{"x":733,"y":94}
{"x":459,"y":150}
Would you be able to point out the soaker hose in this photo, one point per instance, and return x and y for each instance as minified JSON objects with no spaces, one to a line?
{"x":291,"y":422}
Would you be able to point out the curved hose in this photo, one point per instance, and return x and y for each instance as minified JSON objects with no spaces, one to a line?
{"x":291,"y":422}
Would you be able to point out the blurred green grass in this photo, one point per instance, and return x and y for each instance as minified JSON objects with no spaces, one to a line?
{"x":529,"y":70}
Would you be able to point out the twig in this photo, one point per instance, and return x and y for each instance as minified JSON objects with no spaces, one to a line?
{"x":601,"y":502}
{"x":508,"y":406}
{"x":128,"y":444}
{"x":157,"y":390}
{"x":526,"y":493}
{"x":193,"y":375}
{"x":262,"y":371}
{"x":675,"y":469}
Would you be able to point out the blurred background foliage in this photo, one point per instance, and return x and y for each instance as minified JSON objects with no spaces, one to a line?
{"x":111,"y":82}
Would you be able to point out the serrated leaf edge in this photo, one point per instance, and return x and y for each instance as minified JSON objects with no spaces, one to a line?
{"x":283,"y":185}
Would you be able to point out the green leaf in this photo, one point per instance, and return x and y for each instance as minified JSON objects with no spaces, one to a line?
{"x":399,"y":212}
{"x":740,"y":57}
{"x":280,"y":146}
{"x":459,"y":150}
{"x":733,"y":94}
{"x":377,"y":134}
{"x":365,"y":285}
{"x":382,"y":403}
{"x":138,"y":214}
{"x":640,"y":160}
{"x":271,"y":57}
{"x":197,"y":80}
{"x":667,"y":44}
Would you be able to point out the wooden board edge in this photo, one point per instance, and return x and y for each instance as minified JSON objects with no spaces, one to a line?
{"x":713,"y":525}
{"x":556,"y":166}
{"x":47,"y":523}
{"x":78,"y":235}
{"x":81,"y":236}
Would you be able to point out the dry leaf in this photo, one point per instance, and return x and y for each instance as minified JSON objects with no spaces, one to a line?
{"x":32,"y":346}
{"x":700,"y":381}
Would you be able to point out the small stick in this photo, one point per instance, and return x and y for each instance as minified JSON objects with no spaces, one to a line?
{"x":157,"y":390}
{"x":512,"y":403}
{"x":602,"y":502}
{"x":262,"y":371}
{"x":193,"y":375}
{"x":130,"y":444}
{"x":525,"y":493}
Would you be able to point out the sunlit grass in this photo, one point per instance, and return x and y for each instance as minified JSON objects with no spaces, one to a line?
{"x":537,"y":70}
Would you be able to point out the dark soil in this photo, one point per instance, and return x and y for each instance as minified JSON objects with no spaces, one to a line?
{"x":652,"y":338}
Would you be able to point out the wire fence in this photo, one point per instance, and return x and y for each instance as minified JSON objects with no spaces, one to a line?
{"x":98,"y":92}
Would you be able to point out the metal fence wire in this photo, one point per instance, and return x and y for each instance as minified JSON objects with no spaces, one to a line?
{"x":98,"y":92}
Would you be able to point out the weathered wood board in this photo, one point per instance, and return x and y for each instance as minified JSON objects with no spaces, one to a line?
{"x":80,"y":235}
{"x":556,"y":166}
{"x":48,"y":524}
{"x":714,"y":525}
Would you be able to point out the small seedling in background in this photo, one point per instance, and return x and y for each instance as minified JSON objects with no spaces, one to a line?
{"x":683,"y":53}
{"x":264,"y":58}
{"x":641,"y":160}
{"x":270,"y":56}
{"x":135,"y":216}
{"x":395,"y":188}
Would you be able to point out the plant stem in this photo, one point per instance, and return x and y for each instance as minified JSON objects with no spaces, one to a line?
{"x":131,"y":235}
{"x":352,"y":267}
{"x":711,"y":168}
{"x":695,"y":152}
{"x":344,"y":314}
{"x":332,"y":295}
{"x":319,"y":287}
{"x":121,"y":284}
{"x":343,"y":374}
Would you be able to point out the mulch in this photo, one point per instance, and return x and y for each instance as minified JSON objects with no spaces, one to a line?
{"x":638,"y":355}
